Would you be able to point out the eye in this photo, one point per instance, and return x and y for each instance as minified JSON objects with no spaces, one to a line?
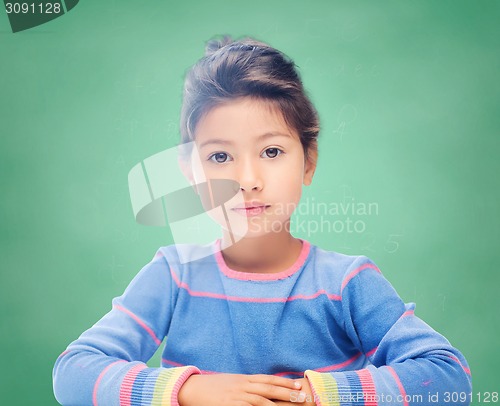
{"x":219,"y":157}
{"x":271,"y":152}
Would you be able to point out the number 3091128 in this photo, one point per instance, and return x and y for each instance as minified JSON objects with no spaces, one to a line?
{"x":33,"y":8}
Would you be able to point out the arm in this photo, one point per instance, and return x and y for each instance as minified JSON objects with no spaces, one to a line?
{"x":409,"y":360}
{"x":106,"y":364}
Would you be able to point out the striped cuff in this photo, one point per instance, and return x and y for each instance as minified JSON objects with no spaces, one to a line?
{"x":154,"y":386}
{"x":351,"y":388}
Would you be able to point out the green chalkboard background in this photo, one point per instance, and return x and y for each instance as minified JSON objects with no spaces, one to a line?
{"x":408,"y":94}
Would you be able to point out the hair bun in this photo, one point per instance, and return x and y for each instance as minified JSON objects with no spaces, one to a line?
{"x":215,"y":44}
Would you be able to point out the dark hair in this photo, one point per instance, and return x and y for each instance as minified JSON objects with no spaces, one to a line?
{"x":247,"y":68}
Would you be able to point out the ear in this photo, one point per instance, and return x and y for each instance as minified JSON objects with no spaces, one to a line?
{"x":310,"y":165}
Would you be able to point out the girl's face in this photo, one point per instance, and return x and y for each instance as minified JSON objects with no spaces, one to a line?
{"x":249,"y":142}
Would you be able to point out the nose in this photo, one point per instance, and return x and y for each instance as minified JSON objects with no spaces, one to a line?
{"x":250,"y":177}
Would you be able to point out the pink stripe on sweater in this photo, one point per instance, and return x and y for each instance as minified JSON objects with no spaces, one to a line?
{"x":466,"y":370}
{"x":63,"y":354}
{"x":304,"y":253}
{"x":368,"y":387}
{"x":176,"y":364}
{"x":339,"y":366}
{"x":400,"y":385}
{"x":158,"y":254}
{"x":352,"y":274}
{"x":99,"y":378}
{"x":301,"y":374}
{"x":314,"y":296}
{"x":128,"y":384}
{"x":323,"y":369}
{"x":140,"y":322}
{"x":371,"y":352}
{"x":173,"y":363}
{"x":191,"y":292}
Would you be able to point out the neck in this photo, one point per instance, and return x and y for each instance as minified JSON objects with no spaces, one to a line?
{"x":270,"y":253}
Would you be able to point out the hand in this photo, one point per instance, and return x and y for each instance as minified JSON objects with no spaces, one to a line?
{"x":238,"y":390}
{"x":307,"y":396}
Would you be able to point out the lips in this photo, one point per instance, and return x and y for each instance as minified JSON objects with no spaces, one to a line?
{"x":250,"y":208}
{"x":250,"y":205}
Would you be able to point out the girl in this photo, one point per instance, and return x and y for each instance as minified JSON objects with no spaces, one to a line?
{"x":266,"y":319}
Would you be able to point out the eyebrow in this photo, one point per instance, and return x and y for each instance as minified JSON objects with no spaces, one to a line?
{"x":220,"y":141}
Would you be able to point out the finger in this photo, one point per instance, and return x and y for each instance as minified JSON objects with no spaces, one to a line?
{"x":276,"y":380}
{"x":289,"y":403}
{"x":256,"y":400}
{"x":276,"y":392}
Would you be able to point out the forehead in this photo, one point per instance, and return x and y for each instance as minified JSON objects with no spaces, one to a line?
{"x":242,"y":119}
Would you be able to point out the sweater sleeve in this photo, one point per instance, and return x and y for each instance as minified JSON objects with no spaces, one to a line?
{"x":407,"y":361}
{"x":106,"y":364}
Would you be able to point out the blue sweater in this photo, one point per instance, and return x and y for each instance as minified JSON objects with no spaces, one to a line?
{"x":330,"y":317}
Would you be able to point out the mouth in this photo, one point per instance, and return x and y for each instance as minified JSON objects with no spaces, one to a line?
{"x":251,"y":209}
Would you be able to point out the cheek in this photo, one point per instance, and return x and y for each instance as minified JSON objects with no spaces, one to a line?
{"x":290,"y":176}
{"x":213,"y":171}
{"x":205,"y":171}
{"x":287,"y":185}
